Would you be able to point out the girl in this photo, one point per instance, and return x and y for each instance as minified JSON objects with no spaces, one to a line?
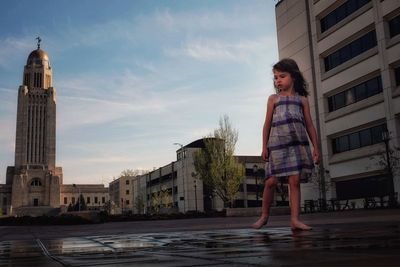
{"x":285,"y":145}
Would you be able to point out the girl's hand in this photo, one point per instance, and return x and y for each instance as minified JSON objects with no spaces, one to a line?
{"x":264,"y":154}
{"x":316,"y":156}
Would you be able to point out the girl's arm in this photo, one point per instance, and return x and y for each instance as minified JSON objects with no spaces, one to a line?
{"x":267,"y":125}
{"x":311,"y":129}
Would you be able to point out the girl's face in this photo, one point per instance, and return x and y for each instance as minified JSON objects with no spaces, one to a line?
{"x":283,"y":80}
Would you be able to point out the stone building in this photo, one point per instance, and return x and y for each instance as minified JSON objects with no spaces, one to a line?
{"x":349,"y":52}
{"x":34,"y":185}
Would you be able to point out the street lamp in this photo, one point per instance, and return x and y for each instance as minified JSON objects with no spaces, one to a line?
{"x":195,"y":194}
{"x":255,"y":172}
{"x":386,"y":139}
{"x":183,"y":174}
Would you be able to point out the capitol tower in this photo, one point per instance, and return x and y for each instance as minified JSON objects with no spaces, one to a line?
{"x":35,"y":180}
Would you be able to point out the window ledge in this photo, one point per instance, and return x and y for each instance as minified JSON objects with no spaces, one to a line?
{"x":365,"y":103}
{"x":357,"y":176}
{"x":349,"y":63}
{"x":392,"y":41}
{"x":358,"y":153}
{"x":396,"y":92}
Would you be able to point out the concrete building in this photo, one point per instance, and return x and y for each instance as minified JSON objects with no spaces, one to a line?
{"x":349,"y":52}
{"x":121,"y":194}
{"x":176,"y":187}
{"x":34,"y":185}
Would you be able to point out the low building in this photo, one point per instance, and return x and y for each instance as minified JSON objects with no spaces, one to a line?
{"x":121,"y":194}
{"x":95,"y":195}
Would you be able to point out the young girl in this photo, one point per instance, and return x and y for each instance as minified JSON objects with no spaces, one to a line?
{"x":285,"y":144}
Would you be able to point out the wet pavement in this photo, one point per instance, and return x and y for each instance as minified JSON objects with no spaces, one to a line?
{"x":361,"y":243}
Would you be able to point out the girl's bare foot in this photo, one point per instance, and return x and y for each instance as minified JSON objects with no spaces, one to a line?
{"x":300,"y":226}
{"x":260,"y":222}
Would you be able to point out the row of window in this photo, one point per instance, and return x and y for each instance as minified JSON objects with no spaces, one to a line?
{"x":350,"y":51}
{"x":36,"y":134}
{"x":37,"y":80}
{"x":36,"y":182}
{"x":88,"y":200}
{"x":358,"y":139}
{"x":341,"y":13}
{"x":355,"y":94}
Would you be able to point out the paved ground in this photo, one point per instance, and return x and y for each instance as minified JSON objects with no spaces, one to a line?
{"x":354,"y":238}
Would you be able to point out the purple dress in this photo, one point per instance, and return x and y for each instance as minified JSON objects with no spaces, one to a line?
{"x":288,"y":146}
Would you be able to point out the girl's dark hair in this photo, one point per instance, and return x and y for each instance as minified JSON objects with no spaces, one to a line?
{"x":290,"y":66}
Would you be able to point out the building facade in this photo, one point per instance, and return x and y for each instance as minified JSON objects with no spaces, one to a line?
{"x":34,"y":185}
{"x":121,"y":194}
{"x":349,"y":52}
{"x":176,"y":186}
{"x":96,"y":196}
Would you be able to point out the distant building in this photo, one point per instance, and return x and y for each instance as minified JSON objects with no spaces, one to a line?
{"x":175,"y":187}
{"x":34,"y":185}
{"x":95,"y":196}
{"x":121,"y":194}
{"x":349,"y":52}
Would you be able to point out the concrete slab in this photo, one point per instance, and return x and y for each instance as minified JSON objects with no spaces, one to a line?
{"x":372,"y":240}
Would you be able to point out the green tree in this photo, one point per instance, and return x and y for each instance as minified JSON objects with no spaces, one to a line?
{"x":216,"y":164}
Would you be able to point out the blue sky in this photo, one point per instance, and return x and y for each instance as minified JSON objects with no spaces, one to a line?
{"x":134,"y":77}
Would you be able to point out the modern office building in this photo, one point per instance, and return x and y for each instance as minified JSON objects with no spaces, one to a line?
{"x":349,"y":52}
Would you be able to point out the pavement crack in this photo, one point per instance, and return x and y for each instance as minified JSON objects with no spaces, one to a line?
{"x":47,"y":253}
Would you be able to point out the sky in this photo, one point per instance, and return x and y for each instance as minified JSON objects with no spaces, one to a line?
{"x":135,"y":77}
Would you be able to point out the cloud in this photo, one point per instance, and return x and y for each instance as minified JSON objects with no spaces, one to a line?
{"x":13,"y":47}
{"x":218,"y":50}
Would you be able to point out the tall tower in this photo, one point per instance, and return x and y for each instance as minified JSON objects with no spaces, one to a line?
{"x":35,"y":179}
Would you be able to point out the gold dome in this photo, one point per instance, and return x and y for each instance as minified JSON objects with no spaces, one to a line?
{"x":37,"y":55}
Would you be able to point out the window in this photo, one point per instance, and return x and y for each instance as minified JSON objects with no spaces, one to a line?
{"x":103,"y":200}
{"x":350,"y":51}
{"x":4,"y":201}
{"x":127,"y":192}
{"x":127,"y":201}
{"x":358,"y":139}
{"x":394,"y":26}
{"x":365,"y":137}
{"x":36,"y":182}
{"x":95,"y":200}
{"x":127,"y":182}
{"x":88,"y":200}
{"x":341,"y":13}
{"x":65,"y":200}
{"x":397,"y":75}
{"x":27,"y":79}
{"x":356,"y":93}
{"x":73,"y":200}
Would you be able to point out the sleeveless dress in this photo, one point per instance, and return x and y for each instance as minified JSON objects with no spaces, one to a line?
{"x":288,"y":146}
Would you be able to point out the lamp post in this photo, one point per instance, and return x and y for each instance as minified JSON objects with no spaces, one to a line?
{"x":386,"y":139}
{"x":195,"y":194}
{"x":183,"y":174}
{"x":255,"y":172}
